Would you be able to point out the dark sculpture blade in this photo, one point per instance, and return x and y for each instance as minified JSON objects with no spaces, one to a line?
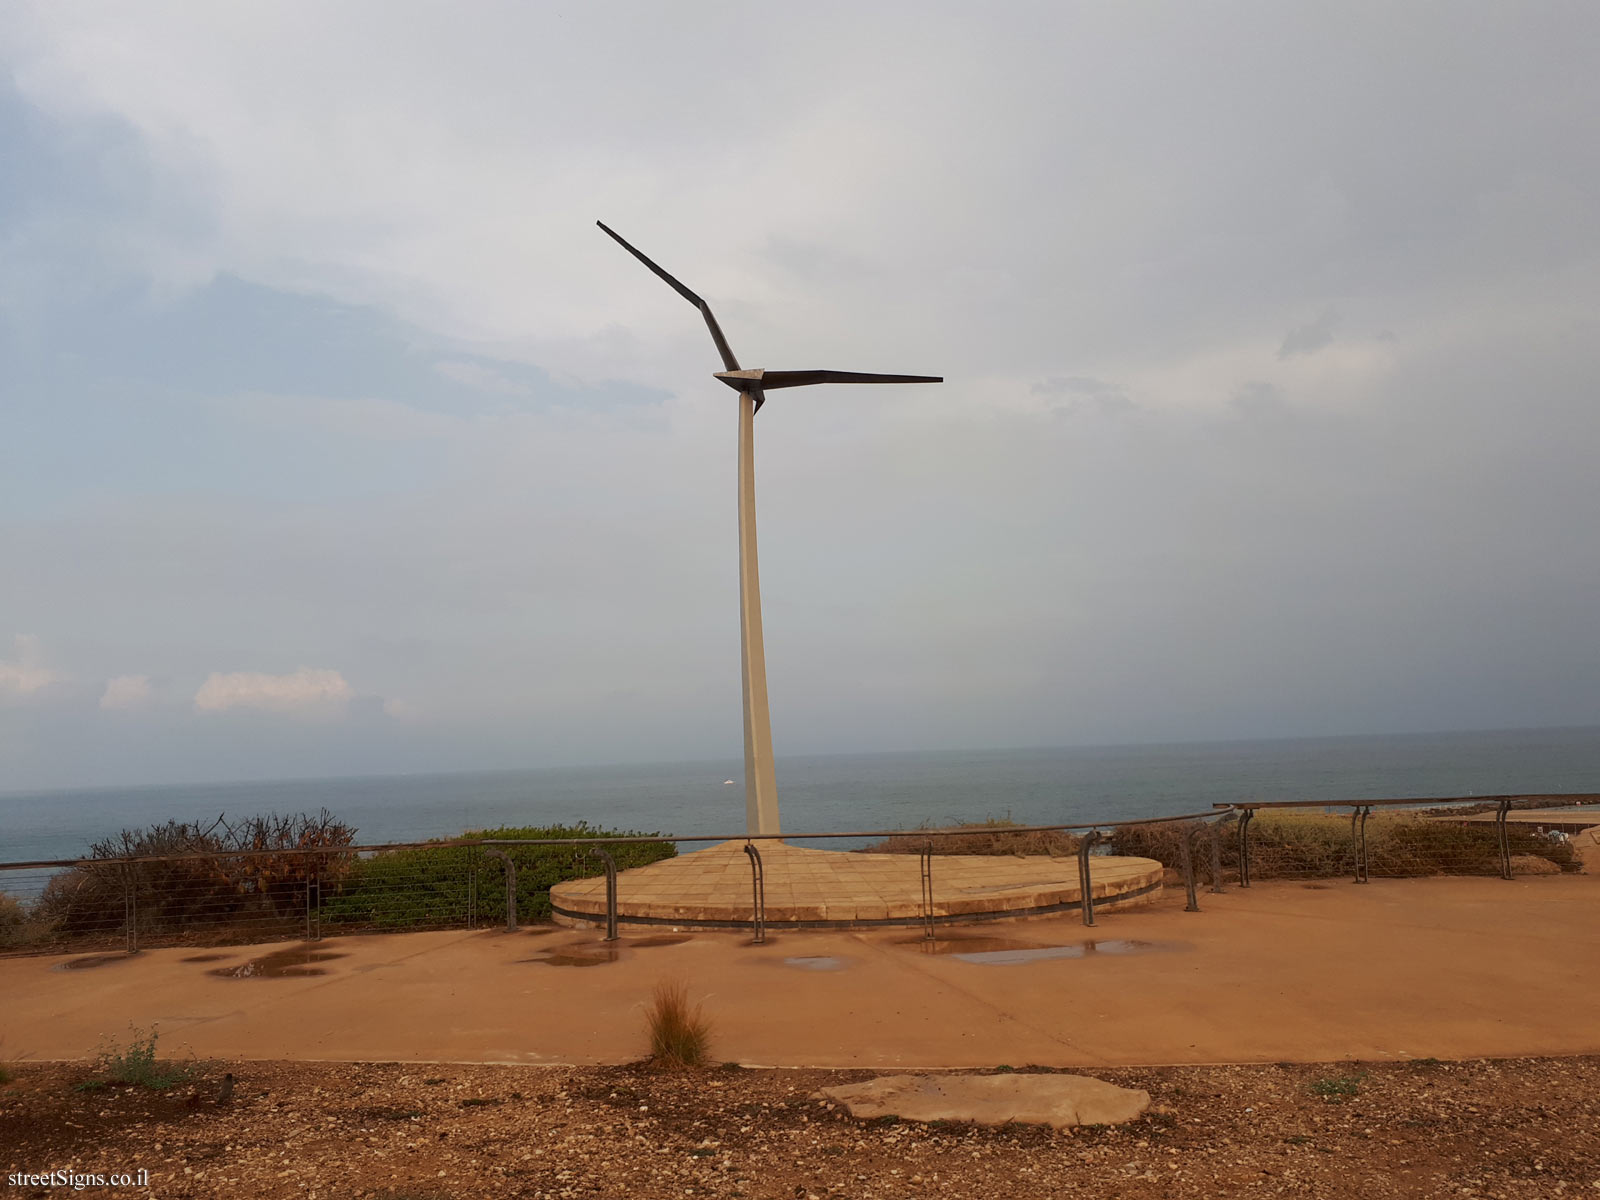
{"x":729,"y":362}
{"x":783,"y":379}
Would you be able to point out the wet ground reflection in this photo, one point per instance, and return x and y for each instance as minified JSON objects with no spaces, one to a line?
{"x":292,"y":963}
{"x":817,"y":962}
{"x":1005,"y":951}
{"x":90,"y":961}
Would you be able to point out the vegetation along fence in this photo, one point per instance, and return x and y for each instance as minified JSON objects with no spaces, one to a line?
{"x":284,"y":877}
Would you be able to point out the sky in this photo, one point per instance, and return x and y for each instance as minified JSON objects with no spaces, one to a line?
{"x":338,"y":440}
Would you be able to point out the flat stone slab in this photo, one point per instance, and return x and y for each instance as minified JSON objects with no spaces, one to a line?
{"x":1056,"y":1100}
{"x":821,"y":889}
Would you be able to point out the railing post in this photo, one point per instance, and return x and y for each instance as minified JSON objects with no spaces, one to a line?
{"x":926,"y":864}
{"x":1185,"y":844}
{"x":1245,"y":818}
{"x":472,"y":895}
{"x":758,"y":895}
{"x":511,"y":886}
{"x":130,"y":909}
{"x":611,"y":890}
{"x":1216,"y":852}
{"x":1358,"y":840}
{"x":1504,"y":837}
{"x":1085,"y":887}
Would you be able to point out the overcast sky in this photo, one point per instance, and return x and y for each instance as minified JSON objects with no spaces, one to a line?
{"x":337,"y":439}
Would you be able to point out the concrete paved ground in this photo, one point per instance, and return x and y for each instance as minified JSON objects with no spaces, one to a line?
{"x":1448,"y":968}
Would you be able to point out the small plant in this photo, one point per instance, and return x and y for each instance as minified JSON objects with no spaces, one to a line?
{"x":1004,"y":1069}
{"x":137,"y":1065}
{"x":1335,"y":1089}
{"x":679,"y":1034}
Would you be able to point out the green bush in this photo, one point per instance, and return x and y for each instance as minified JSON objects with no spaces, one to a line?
{"x":432,"y":885}
{"x":539,"y":868}
{"x":404,"y":889}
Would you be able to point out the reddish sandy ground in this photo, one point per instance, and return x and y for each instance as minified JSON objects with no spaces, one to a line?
{"x":1288,"y":979}
{"x":1396,"y":969}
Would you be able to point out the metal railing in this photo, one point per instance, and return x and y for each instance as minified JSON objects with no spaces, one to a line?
{"x":272,"y":894}
{"x":242,"y":895}
{"x":1455,"y":835}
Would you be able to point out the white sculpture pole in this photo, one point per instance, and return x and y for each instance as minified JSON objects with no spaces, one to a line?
{"x":760,"y":781}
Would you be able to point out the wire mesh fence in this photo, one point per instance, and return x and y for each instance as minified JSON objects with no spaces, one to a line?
{"x":1364,"y":839}
{"x":223,"y":897}
{"x":212,"y":892}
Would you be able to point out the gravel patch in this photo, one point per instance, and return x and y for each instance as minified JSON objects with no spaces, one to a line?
{"x":1511,"y":1128}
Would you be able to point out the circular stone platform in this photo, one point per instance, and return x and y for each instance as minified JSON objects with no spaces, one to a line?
{"x":832,"y":889}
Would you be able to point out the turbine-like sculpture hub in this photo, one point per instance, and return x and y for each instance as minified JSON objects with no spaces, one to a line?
{"x":761,"y":789}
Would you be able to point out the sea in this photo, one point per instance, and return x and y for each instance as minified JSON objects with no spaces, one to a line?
{"x":845,"y":792}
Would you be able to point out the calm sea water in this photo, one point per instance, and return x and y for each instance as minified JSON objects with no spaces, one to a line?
{"x":839,"y":792}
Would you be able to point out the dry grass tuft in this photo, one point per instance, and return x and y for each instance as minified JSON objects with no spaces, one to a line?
{"x":680,"y":1035}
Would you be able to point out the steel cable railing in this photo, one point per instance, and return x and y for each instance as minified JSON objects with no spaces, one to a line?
{"x":245,"y":895}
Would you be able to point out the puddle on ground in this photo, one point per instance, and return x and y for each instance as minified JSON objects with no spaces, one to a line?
{"x":817,"y":962}
{"x":205,"y":958}
{"x":293,"y":963}
{"x":968,"y":944}
{"x":1001,"y":951}
{"x":595,"y":954}
{"x":578,"y":956}
{"x":89,"y":961}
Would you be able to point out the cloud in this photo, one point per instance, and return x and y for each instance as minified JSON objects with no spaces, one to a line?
{"x":125,"y":692}
{"x":307,"y":691}
{"x":1308,"y":339}
{"x":480,"y":378}
{"x":1083,"y":393}
{"x":26,"y":673}
{"x":400,"y":710}
{"x":321,"y":374}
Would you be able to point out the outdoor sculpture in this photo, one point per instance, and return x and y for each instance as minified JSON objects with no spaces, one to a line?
{"x":760,"y":786}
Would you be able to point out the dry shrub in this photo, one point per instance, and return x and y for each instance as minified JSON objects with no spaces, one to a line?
{"x":1307,"y":844}
{"x":1161,"y":841}
{"x":680,"y":1035}
{"x":13,"y":917}
{"x":18,"y":925}
{"x":996,"y":836}
{"x":188,"y":874}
